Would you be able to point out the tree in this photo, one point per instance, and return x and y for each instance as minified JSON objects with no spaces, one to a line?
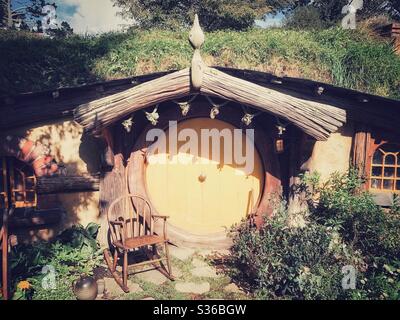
{"x":304,"y":17}
{"x":213,"y":14}
{"x":9,"y":16}
{"x":64,"y":31}
{"x":331,"y":10}
{"x":30,"y":15}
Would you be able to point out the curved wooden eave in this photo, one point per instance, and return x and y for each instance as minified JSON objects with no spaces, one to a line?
{"x":316,"y":119}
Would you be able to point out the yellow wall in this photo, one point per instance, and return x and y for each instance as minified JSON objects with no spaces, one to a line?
{"x":332,"y":155}
{"x":79,"y":154}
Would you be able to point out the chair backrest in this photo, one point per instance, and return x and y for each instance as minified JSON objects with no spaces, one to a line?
{"x":136,"y":215}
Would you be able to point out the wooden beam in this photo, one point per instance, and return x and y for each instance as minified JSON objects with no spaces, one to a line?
{"x":67,"y":184}
{"x":316,"y":119}
{"x":99,"y":114}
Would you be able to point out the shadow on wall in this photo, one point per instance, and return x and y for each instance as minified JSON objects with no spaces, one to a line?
{"x":80,"y":154}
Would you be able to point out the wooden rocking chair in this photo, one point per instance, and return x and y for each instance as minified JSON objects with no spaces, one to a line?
{"x":132,"y":229}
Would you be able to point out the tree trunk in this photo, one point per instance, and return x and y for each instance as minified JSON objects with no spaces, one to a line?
{"x":9,"y":17}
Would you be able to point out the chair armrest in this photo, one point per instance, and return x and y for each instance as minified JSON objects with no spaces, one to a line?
{"x":157,"y":216}
{"x":118,"y":223}
{"x":121,"y":230}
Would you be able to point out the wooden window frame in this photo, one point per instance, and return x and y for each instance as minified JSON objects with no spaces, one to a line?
{"x":383,"y":165}
{"x":9,"y":191}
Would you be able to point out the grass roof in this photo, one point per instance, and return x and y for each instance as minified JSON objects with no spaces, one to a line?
{"x":350,"y":59}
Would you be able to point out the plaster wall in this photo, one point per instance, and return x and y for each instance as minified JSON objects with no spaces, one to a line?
{"x":79,"y":154}
{"x":332,"y":155}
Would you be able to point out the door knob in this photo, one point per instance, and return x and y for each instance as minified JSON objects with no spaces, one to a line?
{"x":202,"y":177}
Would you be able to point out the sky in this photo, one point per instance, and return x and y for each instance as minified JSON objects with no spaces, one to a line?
{"x":90,"y":16}
{"x":86,"y":16}
{"x":271,"y":20}
{"x":97,"y":16}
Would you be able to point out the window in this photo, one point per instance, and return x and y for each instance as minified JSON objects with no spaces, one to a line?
{"x":17,"y":184}
{"x":385,"y":168}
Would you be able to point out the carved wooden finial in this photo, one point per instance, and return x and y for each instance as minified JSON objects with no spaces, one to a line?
{"x":196,"y":38}
{"x":196,"y":35}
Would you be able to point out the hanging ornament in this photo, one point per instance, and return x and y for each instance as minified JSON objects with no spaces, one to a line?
{"x":185,"y":106}
{"x":281,"y":129}
{"x":214,"y":112}
{"x":127,"y":124}
{"x":279,"y":145}
{"x":247,"y":118}
{"x":153,"y":116}
{"x":215,"y":107}
{"x":279,"y":142}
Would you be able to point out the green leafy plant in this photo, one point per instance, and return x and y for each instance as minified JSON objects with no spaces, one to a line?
{"x":73,"y":253}
{"x":344,"y":227}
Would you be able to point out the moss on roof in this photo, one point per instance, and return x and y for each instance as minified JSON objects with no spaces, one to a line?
{"x":350,"y":59}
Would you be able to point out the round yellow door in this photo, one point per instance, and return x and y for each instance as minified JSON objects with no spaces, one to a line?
{"x":203,"y":183}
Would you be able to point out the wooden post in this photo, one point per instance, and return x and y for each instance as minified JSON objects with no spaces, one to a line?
{"x":361,"y":143}
{"x":5,"y":255}
{"x":297,"y":202}
{"x":4,"y":231}
{"x":112,"y":183}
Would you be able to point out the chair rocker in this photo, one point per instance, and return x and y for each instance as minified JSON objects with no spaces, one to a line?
{"x":133,"y":229}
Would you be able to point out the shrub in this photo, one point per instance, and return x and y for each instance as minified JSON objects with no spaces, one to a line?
{"x":72,"y":253}
{"x":363,"y":224}
{"x":279,"y":261}
{"x":343,"y":227}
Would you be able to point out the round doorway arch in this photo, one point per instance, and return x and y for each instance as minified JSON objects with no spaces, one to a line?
{"x":193,"y":195}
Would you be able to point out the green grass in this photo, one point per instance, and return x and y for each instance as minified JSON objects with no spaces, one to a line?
{"x":346,"y":58}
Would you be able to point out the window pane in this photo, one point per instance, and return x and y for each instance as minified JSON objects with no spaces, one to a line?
{"x":390,"y":159}
{"x":19,"y":196}
{"x":376,"y":183}
{"x":30,"y":196}
{"x":398,"y":185}
{"x":377,"y":171}
{"x":378,"y":157}
{"x":389,"y":172}
{"x":30,"y":183}
{"x":388,"y":184}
